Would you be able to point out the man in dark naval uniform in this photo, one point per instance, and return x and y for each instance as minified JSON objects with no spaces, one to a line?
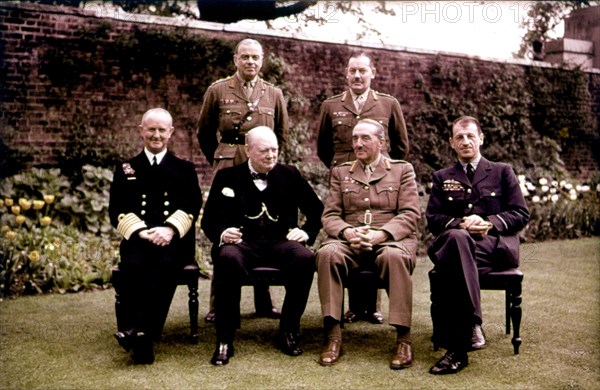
{"x":251,"y":217}
{"x":154,"y":203}
{"x":476,"y":209}
{"x":231,"y":107}
{"x":339,"y":115}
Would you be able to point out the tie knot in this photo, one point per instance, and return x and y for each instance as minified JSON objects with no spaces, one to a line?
{"x":258,"y":176}
{"x":470,"y":171}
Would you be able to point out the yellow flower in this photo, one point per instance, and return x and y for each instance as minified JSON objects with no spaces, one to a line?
{"x":34,"y":256}
{"x":8,"y":202}
{"x":16,"y":210}
{"x":45,"y":221}
{"x":25,"y":204}
{"x":11,"y":235}
{"x":20,"y":219}
{"x":48,"y":199}
{"x":4,"y":228}
{"x":1,"y":202}
{"x":38,"y":204}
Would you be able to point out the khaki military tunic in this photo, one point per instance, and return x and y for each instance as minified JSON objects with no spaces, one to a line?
{"x":388,"y":201}
{"x":339,"y":115}
{"x":227,"y":114}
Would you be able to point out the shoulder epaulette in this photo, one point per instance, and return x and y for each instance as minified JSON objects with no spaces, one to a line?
{"x":221,"y":80}
{"x":384,"y":94}
{"x":336,"y":96}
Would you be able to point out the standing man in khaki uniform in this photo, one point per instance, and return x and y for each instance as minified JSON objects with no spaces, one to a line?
{"x":339,"y":115}
{"x":231,"y":107}
{"x":370,"y":218}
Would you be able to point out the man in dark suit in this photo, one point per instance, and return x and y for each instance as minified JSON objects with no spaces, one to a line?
{"x":231,"y":107}
{"x":475,"y":210}
{"x":251,"y":216}
{"x":371,"y":220}
{"x":339,"y":115}
{"x":155,"y":199}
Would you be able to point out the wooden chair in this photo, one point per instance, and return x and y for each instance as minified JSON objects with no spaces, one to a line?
{"x":361,"y":278}
{"x":189,"y":276}
{"x":509,"y":281}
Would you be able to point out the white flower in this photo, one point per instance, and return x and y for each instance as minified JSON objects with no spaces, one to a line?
{"x":543,"y":181}
{"x":535,"y":199}
{"x":562,"y":183}
{"x":554,"y":198}
{"x":530,"y":186}
{"x":545,"y":188}
{"x":573,"y":195}
{"x":554,"y":183}
{"x":585,"y":188}
{"x":553,"y":190}
{"x":568,"y":186}
{"x":521,"y":178}
{"x":228,"y":192}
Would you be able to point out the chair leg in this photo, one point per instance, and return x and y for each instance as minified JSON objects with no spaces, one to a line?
{"x":118,"y":311}
{"x":507,"y":306}
{"x":193,"y":307}
{"x":515,"y":314}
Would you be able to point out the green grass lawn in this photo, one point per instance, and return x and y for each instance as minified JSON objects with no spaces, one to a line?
{"x":66,"y":342}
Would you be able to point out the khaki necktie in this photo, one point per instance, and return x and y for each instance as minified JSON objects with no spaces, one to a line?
{"x":248,"y":89}
{"x":359,"y":103}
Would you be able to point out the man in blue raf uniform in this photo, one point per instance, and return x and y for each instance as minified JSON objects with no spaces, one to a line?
{"x":155,"y":199}
{"x":476,"y":210}
{"x":251,"y":216}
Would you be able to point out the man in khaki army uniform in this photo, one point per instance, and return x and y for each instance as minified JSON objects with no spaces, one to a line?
{"x":231,"y":107}
{"x":370,"y":218}
{"x":339,"y":114}
{"x":237,"y":104}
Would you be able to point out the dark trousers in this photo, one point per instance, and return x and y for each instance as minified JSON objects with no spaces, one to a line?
{"x":459,"y":259}
{"x":231,"y":265}
{"x":148,"y":284}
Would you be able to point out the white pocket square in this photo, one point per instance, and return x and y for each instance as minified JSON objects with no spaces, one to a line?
{"x":228,"y":192}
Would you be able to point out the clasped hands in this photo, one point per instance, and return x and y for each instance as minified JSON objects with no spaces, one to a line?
{"x":233,"y":235}
{"x":476,"y":225}
{"x":363,"y":238}
{"x":160,"y":235}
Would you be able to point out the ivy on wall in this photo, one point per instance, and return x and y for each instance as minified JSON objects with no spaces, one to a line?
{"x":518,"y":112}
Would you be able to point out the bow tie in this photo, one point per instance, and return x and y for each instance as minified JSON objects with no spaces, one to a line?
{"x":258,"y":176}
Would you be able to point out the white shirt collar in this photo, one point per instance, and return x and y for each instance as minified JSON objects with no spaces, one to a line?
{"x":159,"y":156}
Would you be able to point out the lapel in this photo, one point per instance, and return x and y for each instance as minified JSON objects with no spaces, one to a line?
{"x":457,"y":173}
{"x":370,"y":102}
{"x":482,"y":171}
{"x":235,"y":87}
{"x":347,"y":102}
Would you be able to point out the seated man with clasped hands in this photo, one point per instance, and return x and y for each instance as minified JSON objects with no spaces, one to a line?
{"x":371,"y":220}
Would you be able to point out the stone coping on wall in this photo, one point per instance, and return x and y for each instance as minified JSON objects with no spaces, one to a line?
{"x":99,"y":10}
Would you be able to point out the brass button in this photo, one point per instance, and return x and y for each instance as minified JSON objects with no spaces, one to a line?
{"x":450,"y":198}
{"x":493,"y":194}
{"x":143,"y":203}
{"x":366,"y":199}
{"x":470,"y":206}
{"x":143,"y":196}
{"x":167,"y":203}
{"x":143,"y":212}
{"x":166,"y":212}
{"x":468,"y":190}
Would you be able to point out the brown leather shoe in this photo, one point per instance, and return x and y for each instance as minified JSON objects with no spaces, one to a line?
{"x":402,"y":356}
{"x":331,"y":352}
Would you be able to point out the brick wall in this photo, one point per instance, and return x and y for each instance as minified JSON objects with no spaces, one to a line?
{"x":28,"y":112}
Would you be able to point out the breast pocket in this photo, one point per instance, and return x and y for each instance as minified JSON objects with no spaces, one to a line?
{"x":387,"y":195}
{"x":491,"y":200}
{"x":267,"y":116}
{"x":342,"y":131}
{"x":229,"y":118}
{"x":350,"y":196}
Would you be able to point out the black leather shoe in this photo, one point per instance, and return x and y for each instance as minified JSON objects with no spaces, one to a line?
{"x":273,"y":313}
{"x":375,"y":318}
{"x":450,"y":363}
{"x":210,"y":316}
{"x":143,"y":349}
{"x":288,"y":343}
{"x":125,"y":339}
{"x":477,"y":338}
{"x":350,"y":317}
{"x":222,"y":354}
